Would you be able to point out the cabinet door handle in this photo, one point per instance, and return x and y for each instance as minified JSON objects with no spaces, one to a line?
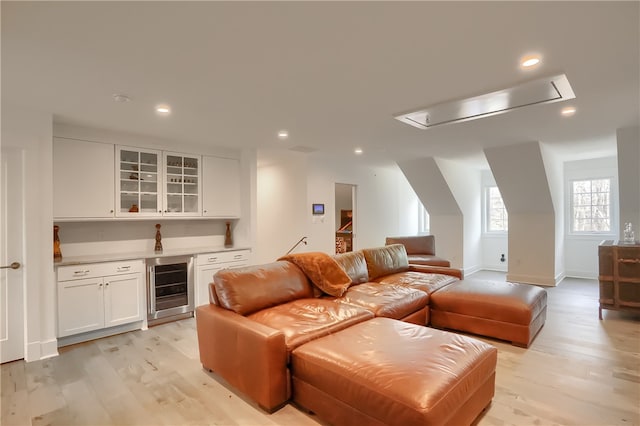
{"x":628,"y":260}
{"x":106,"y":284}
{"x":237,"y":256}
{"x":212,"y":259}
{"x":110,"y":211}
{"x":159,"y":211}
{"x":80,"y":273}
{"x":124,"y":268}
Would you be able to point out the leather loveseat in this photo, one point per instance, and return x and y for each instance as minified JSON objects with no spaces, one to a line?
{"x":421,"y":250}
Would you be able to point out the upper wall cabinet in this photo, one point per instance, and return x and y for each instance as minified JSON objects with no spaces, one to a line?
{"x":139,"y":182}
{"x":83,"y":179}
{"x":182,"y":185}
{"x":221,"y":187}
{"x":96,"y":181}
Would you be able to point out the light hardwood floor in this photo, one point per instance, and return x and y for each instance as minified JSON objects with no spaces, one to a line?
{"x":579,"y":371}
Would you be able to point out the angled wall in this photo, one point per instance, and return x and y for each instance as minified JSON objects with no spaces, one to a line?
{"x":465,"y":185}
{"x":446,"y":221}
{"x":519,"y":171}
{"x":629,"y":178}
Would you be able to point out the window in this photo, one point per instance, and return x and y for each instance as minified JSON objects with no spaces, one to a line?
{"x":591,"y":205}
{"x":496,"y":216}
{"x":423,"y":219}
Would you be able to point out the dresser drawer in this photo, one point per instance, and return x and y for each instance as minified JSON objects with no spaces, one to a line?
{"x":91,"y":270}
{"x":223,"y":257}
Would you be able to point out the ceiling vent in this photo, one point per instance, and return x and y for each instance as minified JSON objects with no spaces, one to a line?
{"x":541,"y":91}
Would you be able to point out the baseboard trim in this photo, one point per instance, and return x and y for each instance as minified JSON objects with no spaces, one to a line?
{"x":472,"y":270}
{"x":587,"y":275}
{"x":97,"y":334}
{"x":532,"y":279}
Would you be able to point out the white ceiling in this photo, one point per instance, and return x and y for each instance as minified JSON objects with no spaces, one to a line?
{"x":332,"y":73}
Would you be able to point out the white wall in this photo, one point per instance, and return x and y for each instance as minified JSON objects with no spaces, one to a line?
{"x":465,"y":184}
{"x":32,"y":131}
{"x":282,"y":214}
{"x":554,"y":168}
{"x":629,"y":177}
{"x":581,"y":251}
{"x":519,"y":171}
{"x":382,"y":197}
{"x":289,"y":182}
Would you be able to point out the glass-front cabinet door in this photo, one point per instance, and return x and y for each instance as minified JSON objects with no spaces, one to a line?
{"x":182,"y":185}
{"x":139,"y":182}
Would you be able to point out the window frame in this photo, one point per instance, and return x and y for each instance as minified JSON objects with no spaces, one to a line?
{"x":486,"y":212}
{"x":612,"y":203}
{"x":424,"y":221}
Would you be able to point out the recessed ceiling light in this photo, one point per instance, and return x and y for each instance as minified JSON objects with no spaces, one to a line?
{"x":568,"y":111}
{"x":118,"y":97}
{"x":163,"y":109}
{"x":283,"y":134}
{"x":358,"y":151}
{"x":530,"y":61}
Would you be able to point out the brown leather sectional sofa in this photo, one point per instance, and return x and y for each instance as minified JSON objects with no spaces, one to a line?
{"x":263,"y":320}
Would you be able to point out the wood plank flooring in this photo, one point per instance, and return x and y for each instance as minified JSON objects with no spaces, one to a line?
{"x":579,"y":371}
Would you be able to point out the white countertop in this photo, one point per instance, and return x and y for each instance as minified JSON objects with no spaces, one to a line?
{"x":110,"y":257}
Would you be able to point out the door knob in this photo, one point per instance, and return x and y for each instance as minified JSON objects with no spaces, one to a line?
{"x":14,"y":265}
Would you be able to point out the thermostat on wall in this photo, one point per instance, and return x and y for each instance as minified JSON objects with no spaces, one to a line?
{"x":317,"y":209}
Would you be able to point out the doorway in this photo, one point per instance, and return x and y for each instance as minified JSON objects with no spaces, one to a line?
{"x":345,"y":215}
{"x":11,"y":275}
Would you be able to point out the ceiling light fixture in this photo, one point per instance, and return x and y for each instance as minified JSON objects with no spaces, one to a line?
{"x":283,"y":134}
{"x":163,"y":109}
{"x":358,"y":151}
{"x":530,"y":61}
{"x":568,"y":111}
{"x":540,"y":91}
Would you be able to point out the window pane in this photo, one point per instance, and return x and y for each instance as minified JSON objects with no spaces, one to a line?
{"x":497,"y":218}
{"x":591,"y":205}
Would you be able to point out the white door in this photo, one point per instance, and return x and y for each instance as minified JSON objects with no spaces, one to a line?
{"x":11,"y":250}
{"x":123,"y":299}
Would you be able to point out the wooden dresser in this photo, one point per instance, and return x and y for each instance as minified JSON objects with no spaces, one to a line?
{"x":619,"y":276}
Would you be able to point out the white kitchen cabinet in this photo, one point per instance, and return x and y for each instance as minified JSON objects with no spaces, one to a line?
{"x":210,"y":263}
{"x":182,"y":185}
{"x":83,"y":179}
{"x":138,"y":182}
{"x":220,"y":187}
{"x":97,"y":296}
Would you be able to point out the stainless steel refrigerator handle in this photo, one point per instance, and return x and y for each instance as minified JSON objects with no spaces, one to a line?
{"x":152,"y":290}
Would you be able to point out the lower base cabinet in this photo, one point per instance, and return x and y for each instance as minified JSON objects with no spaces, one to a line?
{"x":101,"y":295}
{"x":210,"y":263}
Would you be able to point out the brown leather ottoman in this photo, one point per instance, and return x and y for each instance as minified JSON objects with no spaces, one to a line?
{"x":388,"y":372}
{"x":507,"y":311}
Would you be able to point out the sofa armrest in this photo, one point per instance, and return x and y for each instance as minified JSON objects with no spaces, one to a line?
{"x":437,"y":270}
{"x":250,"y":356}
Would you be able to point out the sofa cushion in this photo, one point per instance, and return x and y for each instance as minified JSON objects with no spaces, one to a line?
{"x":322,"y":270}
{"x":386,"y":260}
{"x":385,"y":300}
{"x":250,"y":289}
{"x":419,"y":280}
{"x":354,"y":265}
{"x":427,"y":259}
{"x":304,"y":320}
